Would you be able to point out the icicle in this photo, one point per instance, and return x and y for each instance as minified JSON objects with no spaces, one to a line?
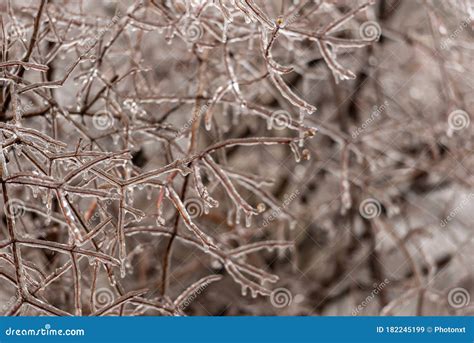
{"x":149,"y":193}
{"x":115,"y":139}
{"x":269,"y":123}
{"x":91,"y":261}
{"x":248,"y":220}
{"x":3,"y":163}
{"x":19,"y":150}
{"x":202,"y":190}
{"x":184,"y":170}
{"x":207,"y":124}
{"x":236,"y":116}
{"x":129,"y":197}
{"x":230,"y":217}
{"x":224,"y":31}
{"x":123,"y":266}
{"x":254,"y":293}
{"x":48,"y":208}
{"x":295,"y":150}
{"x":237,"y":216}
{"x":160,"y":221}
{"x":301,"y":133}
{"x":44,"y":198}
{"x":128,"y":265}
{"x":113,"y":281}
{"x":68,"y":214}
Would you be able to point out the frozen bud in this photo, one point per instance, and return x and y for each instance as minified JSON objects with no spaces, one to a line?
{"x":310,"y":132}
{"x":306,"y":154}
{"x":280,"y":21}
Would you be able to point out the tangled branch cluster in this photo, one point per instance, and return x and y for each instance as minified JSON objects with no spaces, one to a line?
{"x":150,"y":149}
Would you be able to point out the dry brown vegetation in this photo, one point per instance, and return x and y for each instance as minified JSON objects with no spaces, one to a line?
{"x":236,"y":157}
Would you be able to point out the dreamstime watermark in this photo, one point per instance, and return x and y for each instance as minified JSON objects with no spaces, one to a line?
{"x":446,"y":43}
{"x":284,"y":22}
{"x":194,"y":206}
{"x":279,"y":120}
{"x":281,"y":297}
{"x":193,"y":296}
{"x":193,"y":32}
{"x":96,"y":214}
{"x":8,"y":303}
{"x":45,"y":331}
{"x":370,"y":208}
{"x":277,"y":211}
{"x":20,"y":110}
{"x":458,"y":120}
{"x":14,"y":208}
{"x":454,"y":212}
{"x":459,"y":297}
{"x":103,"y":297}
{"x":370,"y":30}
{"x":191,"y":121}
{"x":368,"y":299}
{"x":103,"y":120}
{"x":377,"y":111}
{"x":85,"y":48}
{"x":90,"y":43}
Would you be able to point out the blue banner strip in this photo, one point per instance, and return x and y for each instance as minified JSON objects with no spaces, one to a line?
{"x":237,"y":329}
